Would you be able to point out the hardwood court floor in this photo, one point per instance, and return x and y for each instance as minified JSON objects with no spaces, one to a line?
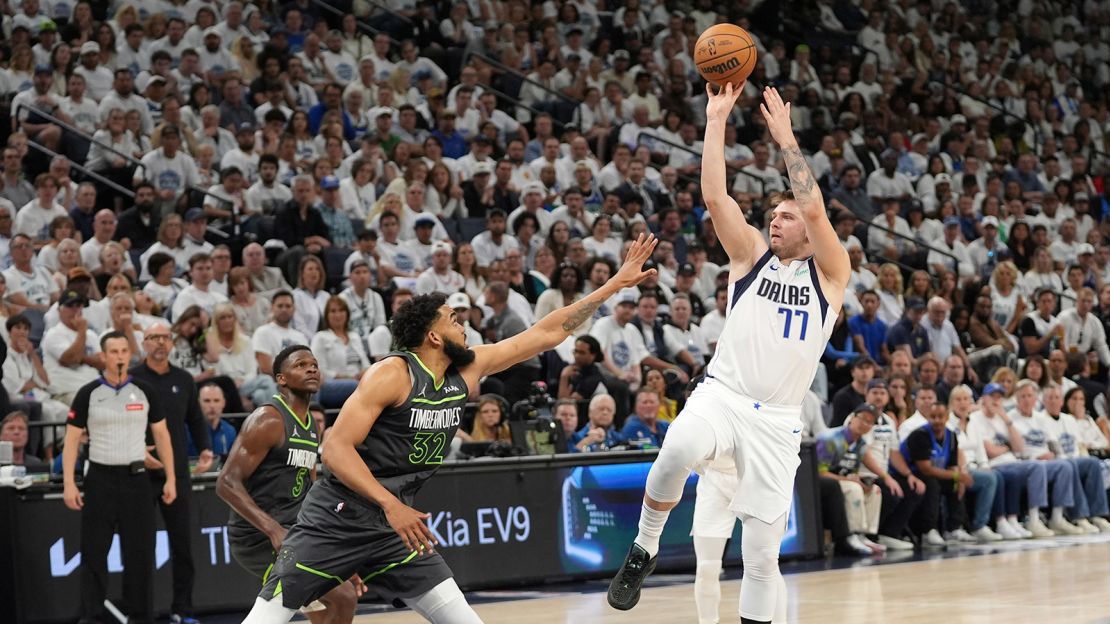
{"x":1054,"y":585}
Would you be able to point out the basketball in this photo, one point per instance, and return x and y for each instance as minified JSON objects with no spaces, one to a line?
{"x":725,"y":53}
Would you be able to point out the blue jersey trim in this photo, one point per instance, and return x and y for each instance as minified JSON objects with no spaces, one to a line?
{"x":817,"y":286}
{"x":743,"y":283}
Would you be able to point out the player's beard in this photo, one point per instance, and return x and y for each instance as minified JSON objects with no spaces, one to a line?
{"x":459,"y":354}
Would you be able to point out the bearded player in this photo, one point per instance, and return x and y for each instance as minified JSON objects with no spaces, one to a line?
{"x":784,"y":299}
{"x":391,"y":437}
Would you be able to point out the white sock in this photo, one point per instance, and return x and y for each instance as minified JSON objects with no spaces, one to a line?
{"x":1012,"y":518}
{"x":1058,"y":514}
{"x":651,"y":527}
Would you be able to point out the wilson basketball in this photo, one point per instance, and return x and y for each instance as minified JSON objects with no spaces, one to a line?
{"x":725,"y":53}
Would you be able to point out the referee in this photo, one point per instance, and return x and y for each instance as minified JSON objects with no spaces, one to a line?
{"x":116,"y":410}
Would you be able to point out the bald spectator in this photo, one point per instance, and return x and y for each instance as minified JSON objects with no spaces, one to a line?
{"x":599,"y":434}
{"x":104,"y":231}
{"x":266,"y":279}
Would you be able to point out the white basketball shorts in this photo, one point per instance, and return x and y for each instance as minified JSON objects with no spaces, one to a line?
{"x":762,"y":441}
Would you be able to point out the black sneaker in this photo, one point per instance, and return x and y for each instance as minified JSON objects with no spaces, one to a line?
{"x":624,"y":590}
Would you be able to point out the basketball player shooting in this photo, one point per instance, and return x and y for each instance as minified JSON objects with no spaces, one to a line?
{"x":390,"y":438}
{"x":784,"y":299}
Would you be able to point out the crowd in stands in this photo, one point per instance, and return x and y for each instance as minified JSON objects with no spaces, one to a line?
{"x":258,"y":174}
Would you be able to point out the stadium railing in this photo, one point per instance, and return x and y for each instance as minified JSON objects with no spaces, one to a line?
{"x":917,"y":243}
{"x":1009,"y":114}
{"x":128,"y":157}
{"x":87,"y":172}
{"x":362,"y":23}
{"x":517,"y":73}
{"x":657,"y":139}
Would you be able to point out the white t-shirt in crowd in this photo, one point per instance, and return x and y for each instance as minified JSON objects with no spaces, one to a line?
{"x":38,"y":285}
{"x":67,"y":379}
{"x":194,"y":296}
{"x":623,"y":346}
{"x":271,"y":338}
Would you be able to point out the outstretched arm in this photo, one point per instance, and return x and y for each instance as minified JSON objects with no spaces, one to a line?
{"x":743,"y":242}
{"x":555,"y":327}
{"x":830,"y":255}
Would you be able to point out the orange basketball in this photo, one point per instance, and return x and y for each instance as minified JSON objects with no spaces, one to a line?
{"x":725,"y":53}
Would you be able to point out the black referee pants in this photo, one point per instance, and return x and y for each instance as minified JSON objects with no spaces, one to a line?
{"x":176,"y":518}
{"x":115,"y":500}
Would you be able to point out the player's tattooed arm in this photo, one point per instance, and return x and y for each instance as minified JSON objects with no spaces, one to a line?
{"x":801,"y":176}
{"x":580,"y":314}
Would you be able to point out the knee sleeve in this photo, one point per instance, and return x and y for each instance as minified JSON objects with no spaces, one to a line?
{"x":688,"y":445}
{"x":268,"y":612}
{"x":759,"y":591}
{"x":707,"y":591}
{"x":444,"y":604}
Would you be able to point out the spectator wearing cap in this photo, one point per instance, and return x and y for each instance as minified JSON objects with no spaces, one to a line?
{"x":686,"y":283}
{"x":381,"y":133}
{"x":532,"y":201}
{"x":453,"y":142}
{"x":908,"y":334}
{"x":439,"y":277}
{"x":851,"y":395}
{"x":214,"y":56}
{"x":39,"y":98}
{"x":365,"y":305}
{"x":340,"y":231}
{"x":961,"y":264}
{"x":622,"y":343}
{"x":98,"y":78}
{"x":169,"y":169}
{"x":243,"y":156}
{"x":480,"y":150}
{"x":460,"y":303}
{"x":985,"y":250}
{"x":479,"y":190}
{"x":841,"y":452}
{"x":71,"y":355}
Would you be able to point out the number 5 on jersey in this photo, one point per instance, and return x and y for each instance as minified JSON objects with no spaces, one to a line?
{"x":803,"y":322}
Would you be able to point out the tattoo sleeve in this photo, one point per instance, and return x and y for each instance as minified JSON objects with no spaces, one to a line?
{"x":580,"y":315}
{"x":801,"y":177}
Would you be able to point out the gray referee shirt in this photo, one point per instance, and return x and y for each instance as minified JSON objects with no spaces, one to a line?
{"x":116,"y":418}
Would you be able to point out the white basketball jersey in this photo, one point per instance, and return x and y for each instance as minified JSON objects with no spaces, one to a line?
{"x":775,"y":332}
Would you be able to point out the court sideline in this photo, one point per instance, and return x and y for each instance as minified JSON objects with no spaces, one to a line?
{"x":1033,"y":583}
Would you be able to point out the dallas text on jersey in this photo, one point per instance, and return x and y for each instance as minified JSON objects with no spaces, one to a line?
{"x":784,"y":294}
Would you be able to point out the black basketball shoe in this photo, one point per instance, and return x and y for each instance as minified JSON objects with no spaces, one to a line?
{"x":624,"y":591}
